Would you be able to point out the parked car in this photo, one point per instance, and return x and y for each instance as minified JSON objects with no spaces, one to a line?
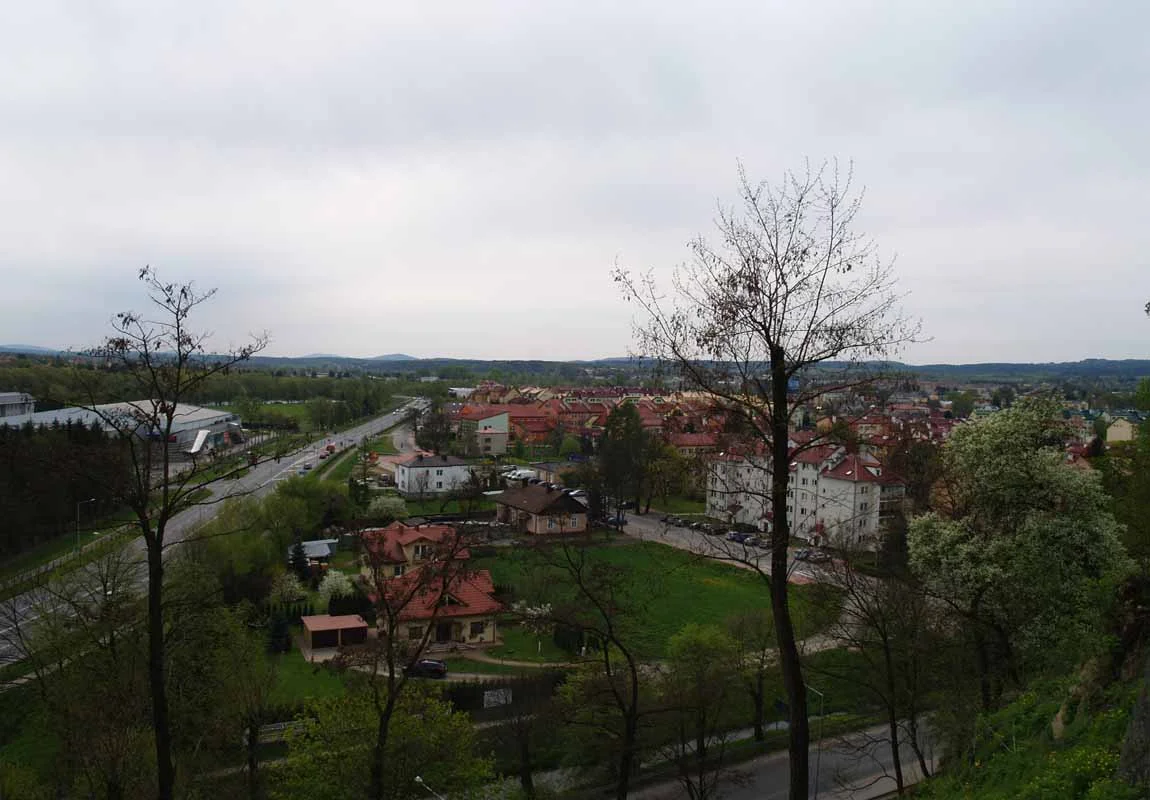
{"x":736,"y":536}
{"x":802,"y":554}
{"x":427,"y":668}
{"x":307,"y":466}
{"x":627,"y":504}
{"x":818,"y":556}
{"x":754,"y":541}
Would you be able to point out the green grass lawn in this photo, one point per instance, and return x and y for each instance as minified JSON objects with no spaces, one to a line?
{"x":422,"y":508}
{"x":297,"y":680}
{"x":522,"y":645}
{"x":677,"y":504}
{"x":669,"y":588}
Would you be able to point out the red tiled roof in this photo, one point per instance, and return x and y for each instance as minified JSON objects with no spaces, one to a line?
{"x":471,"y":591}
{"x":389,"y":542}
{"x":817,"y":454}
{"x":693,"y":439}
{"x":854,"y":468}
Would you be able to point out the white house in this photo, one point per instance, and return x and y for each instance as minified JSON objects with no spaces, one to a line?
{"x":833,"y":497}
{"x":426,"y":475}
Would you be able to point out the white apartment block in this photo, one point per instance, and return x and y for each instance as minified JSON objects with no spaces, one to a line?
{"x":834,"y":497}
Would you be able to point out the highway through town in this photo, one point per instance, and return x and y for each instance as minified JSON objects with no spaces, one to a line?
{"x":257,"y":482}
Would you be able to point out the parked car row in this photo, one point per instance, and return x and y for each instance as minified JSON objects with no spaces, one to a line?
{"x":748,"y":539}
{"x":812,"y":555}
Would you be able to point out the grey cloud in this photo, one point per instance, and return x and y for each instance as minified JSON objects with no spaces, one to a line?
{"x":458,"y":179}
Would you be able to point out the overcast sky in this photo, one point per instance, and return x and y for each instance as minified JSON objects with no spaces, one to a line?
{"x":457,"y":179}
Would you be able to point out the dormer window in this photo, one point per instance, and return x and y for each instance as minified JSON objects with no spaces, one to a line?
{"x":422,"y":551}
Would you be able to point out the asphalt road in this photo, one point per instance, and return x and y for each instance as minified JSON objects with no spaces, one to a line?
{"x":259,"y":481}
{"x":858,"y":766}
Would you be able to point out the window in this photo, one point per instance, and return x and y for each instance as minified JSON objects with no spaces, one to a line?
{"x":439,"y":472}
{"x":439,"y":484}
{"x":399,"y":568}
{"x":803,"y":511}
{"x":415,"y":632}
{"x":790,"y":492}
{"x":478,"y":629}
{"x":422,"y":551}
{"x":550,"y":523}
{"x":862,"y":506}
{"x":804,"y":481}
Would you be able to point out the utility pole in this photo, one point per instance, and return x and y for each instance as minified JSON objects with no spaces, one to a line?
{"x":82,"y":502}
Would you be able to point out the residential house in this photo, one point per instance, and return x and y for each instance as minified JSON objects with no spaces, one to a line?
{"x":399,"y":548}
{"x":317,"y":551}
{"x":691,"y":445}
{"x":541,"y":509}
{"x":424,"y":475}
{"x":484,"y":430}
{"x":463,"y":614}
{"x":411,"y":563}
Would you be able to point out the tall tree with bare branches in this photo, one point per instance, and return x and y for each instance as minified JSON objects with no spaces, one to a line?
{"x":790,"y":287}
{"x":403,"y":636}
{"x":166,"y":361}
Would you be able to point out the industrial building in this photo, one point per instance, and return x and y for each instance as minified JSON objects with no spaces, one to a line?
{"x":195,"y":430}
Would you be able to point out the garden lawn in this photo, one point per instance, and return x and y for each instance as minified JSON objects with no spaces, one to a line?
{"x":297,"y":680}
{"x":675,"y":588}
{"x":520,"y":644}
{"x":423,"y":508}
{"x":677,"y":504}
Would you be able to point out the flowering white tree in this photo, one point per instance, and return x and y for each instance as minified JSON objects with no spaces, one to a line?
{"x":536,"y":619}
{"x":335,"y":584}
{"x":286,"y":589}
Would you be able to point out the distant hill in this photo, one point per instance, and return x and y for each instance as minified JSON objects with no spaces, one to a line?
{"x":394,"y":357}
{"x":27,"y":348}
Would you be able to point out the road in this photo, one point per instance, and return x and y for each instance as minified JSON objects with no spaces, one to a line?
{"x":651,"y":528}
{"x":857,"y":766}
{"x":259,"y":481}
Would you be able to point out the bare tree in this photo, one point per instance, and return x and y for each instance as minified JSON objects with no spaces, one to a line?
{"x":388,"y":657}
{"x":889,"y":623}
{"x":790,"y":287}
{"x":167,"y":362}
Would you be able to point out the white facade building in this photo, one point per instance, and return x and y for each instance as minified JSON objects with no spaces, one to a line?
{"x":429,"y":475}
{"x":833,"y":497}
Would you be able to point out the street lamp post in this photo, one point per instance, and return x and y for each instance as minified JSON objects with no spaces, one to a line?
{"x":89,"y":500}
{"x":822,"y":722}
{"x":430,"y":791}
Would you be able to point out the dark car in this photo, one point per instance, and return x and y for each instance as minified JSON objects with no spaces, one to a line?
{"x":736,"y":536}
{"x":818,"y":556}
{"x":427,"y":668}
{"x":802,"y":554}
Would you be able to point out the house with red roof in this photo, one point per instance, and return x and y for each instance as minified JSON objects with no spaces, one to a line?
{"x":422,"y":572}
{"x":399,"y":548}
{"x":463,"y":613}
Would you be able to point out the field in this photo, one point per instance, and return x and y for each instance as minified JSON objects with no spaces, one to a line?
{"x":669,"y":588}
{"x":677,"y":504}
{"x":297,"y":680}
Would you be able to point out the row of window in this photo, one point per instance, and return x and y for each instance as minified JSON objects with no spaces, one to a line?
{"x":477,"y":629}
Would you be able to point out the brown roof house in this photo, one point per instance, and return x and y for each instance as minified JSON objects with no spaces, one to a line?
{"x":541,"y":509}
